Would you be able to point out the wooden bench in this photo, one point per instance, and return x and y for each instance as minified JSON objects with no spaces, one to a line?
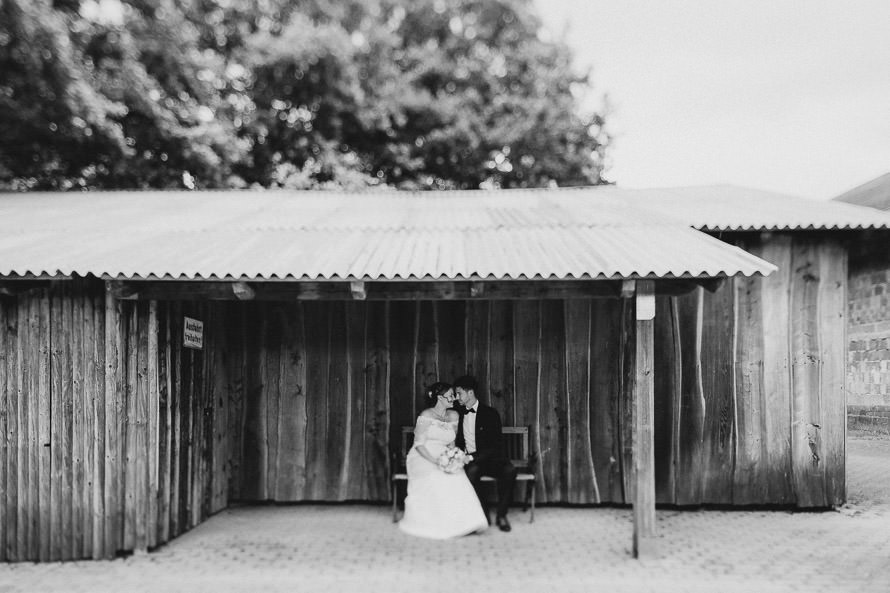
{"x":516,"y":440}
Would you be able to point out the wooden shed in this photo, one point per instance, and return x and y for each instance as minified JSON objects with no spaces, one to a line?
{"x":167,"y":353}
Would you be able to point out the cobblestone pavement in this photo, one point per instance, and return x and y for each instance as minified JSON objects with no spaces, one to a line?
{"x":356,"y":548}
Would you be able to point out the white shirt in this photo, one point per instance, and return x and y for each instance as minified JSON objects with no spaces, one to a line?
{"x":470,"y":428}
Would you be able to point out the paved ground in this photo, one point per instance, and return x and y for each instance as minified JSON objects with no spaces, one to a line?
{"x":356,"y":548}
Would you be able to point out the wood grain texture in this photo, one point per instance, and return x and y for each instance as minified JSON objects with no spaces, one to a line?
{"x":45,"y":516}
{"x":338,"y":440}
{"x":351,"y":488}
{"x":141,"y":450}
{"x":129,"y":427}
{"x":236,"y":382}
{"x":552,"y":407}
{"x":832,"y":323}
{"x":690,"y":421}
{"x":581,"y":482}
{"x":177,"y":409}
{"x":426,"y":352}
{"x":402,"y":318}
{"x":97,"y":380}
{"x":318,"y":325}
{"x":52,"y":436}
{"x":527,"y":376}
{"x":451,"y":339}
{"x":776,"y":430}
{"x":6,"y":345}
{"x":806,"y":371}
{"x":292,"y":381}
{"x":667,"y":387}
{"x":165,"y":422}
{"x":626,"y":369}
{"x":12,"y":396}
{"x":219,"y":441}
{"x":643,"y":404}
{"x":500,"y":386}
{"x":476,"y":336}
{"x":604,"y":397}
{"x":153,"y":433}
{"x":273,"y":326}
{"x":22,"y":496}
{"x":718,"y":391}
{"x":375,"y":485}
{"x":751,"y":407}
{"x":80,"y":494}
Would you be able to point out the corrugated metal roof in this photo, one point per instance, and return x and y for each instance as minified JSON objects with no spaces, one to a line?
{"x":874,"y":193}
{"x":523,"y":234}
{"x":731,"y":208}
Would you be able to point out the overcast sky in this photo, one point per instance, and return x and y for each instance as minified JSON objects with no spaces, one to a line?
{"x":791,"y":96}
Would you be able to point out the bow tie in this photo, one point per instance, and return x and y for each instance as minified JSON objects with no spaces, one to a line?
{"x":469,"y":411}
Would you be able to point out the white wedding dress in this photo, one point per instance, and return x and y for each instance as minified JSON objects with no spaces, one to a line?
{"x":438,"y":505}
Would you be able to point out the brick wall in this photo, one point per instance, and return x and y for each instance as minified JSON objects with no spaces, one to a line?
{"x":868,"y":332}
{"x":869,"y":337}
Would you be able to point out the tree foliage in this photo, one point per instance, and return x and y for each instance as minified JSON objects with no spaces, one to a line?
{"x":316,"y":93}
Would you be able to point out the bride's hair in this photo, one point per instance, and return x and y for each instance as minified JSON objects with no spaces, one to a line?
{"x":434,"y":391}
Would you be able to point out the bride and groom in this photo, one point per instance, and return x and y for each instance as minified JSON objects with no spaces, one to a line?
{"x":457,"y":440}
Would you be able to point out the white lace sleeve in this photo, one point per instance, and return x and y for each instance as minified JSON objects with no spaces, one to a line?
{"x":421,"y":427}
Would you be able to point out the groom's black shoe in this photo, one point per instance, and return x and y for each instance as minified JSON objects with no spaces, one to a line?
{"x":503,"y":524}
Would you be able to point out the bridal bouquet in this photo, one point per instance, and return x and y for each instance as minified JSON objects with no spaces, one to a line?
{"x":452,"y":459}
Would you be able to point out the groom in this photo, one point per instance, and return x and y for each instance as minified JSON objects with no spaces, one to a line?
{"x":479,"y":435}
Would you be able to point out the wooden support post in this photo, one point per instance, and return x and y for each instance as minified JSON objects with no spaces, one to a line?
{"x":243,"y":291}
{"x":357,"y":288}
{"x":643,"y":412}
{"x":627,"y":288}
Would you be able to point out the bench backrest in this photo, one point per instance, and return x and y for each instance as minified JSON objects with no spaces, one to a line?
{"x":516,"y":441}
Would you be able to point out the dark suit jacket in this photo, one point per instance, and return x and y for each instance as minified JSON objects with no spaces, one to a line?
{"x":489,"y":437}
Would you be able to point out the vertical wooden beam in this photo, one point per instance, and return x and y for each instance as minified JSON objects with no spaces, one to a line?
{"x":777,"y":427}
{"x":45,"y":514}
{"x":130,"y":427}
{"x":220,"y":404}
{"x":80,"y":496}
{"x":271,"y":380}
{"x":5,"y":347}
{"x":174,"y":320}
{"x":339,"y":440}
{"x":833,"y":322}
{"x":351,"y":473}
{"x":643,"y":411}
{"x":582,"y":481}
{"x":51,"y":541}
{"x":165,"y":424}
{"x":97,"y":381}
{"x":605,"y":400}
{"x":152,"y":437}
{"x":9,"y":513}
{"x":64,"y":351}
{"x":496,"y":342}
{"x":19,"y":501}
{"x":140,"y":441}
{"x":552,"y":403}
{"x":112,"y":510}
{"x":377,"y":371}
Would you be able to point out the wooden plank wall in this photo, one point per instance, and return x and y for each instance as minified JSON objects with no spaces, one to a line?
{"x":189,"y":464}
{"x":114,"y":437}
{"x":87,"y":399}
{"x":762,"y":393}
{"x":749,"y":387}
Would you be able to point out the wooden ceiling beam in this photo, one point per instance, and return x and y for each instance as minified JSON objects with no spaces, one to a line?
{"x":188,"y":290}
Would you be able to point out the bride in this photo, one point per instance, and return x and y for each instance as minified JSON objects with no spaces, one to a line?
{"x":441,"y":502}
